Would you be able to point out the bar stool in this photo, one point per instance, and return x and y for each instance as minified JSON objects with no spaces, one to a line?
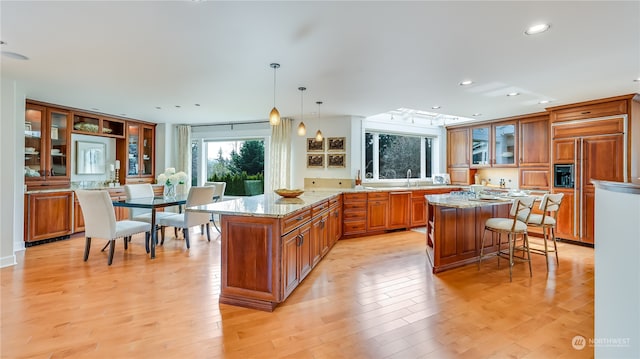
{"x":549,"y":205}
{"x":512,"y":227}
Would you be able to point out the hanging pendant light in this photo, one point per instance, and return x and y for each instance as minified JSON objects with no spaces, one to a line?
{"x":274,"y":116}
{"x":319,"y":133}
{"x":302,"y":129}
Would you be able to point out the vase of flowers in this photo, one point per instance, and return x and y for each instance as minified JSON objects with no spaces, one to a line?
{"x":170,"y":179}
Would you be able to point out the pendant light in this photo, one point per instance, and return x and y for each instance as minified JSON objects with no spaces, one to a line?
{"x":274,"y":116}
{"x":319,"y":133}
{"x":302,"y":129}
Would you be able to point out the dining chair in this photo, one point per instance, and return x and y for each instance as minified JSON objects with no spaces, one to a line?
{"x":549,"y":206}
{"x":197,"y":196}
{"x":512,"y":227}
{"x":100,"y":222}
{"x":142,"y":190}
{"x":218,"y":196}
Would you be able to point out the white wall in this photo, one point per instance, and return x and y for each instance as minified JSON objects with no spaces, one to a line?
{"x":11,"y":178}
{"x":110,"y":145}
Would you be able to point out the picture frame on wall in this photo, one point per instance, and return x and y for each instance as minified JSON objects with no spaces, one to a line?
{"x":90,"y":157}
{"x":315,"y":161}
{"x":315,"y":146}
{"x":336,"y":160}
{"x":336,"y":144}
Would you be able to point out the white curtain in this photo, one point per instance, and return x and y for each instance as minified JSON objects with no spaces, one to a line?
{"x":184,"y":155}
{"x":280,"y":155}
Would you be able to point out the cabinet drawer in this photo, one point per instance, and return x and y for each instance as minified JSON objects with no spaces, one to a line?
{"x":320,"y":208}
{"x":588,"y":128}
{"x":351,"y":227}
{"x":294,"y":220}
{"x":377,"y":196}
{"x":335,"y":201}
{"x":355,"y":197}
{"x":354,"y":214}
{"x":591,"y":111}
{"x":358,"y":206}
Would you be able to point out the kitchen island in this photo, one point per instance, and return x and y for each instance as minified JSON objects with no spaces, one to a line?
{"x":454,"y":229}
{"x":270,"y":244}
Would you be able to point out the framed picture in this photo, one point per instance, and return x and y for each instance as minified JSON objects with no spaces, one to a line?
{"x":336,"y":160}
{"x":315,"y":161}
{"x":315,"y":146}
{"x":90,"y":157}
{"x":441,"y":178}
{"x":336,"y":143}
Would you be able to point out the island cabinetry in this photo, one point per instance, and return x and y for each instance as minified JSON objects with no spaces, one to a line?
{"x":377,"y":211}
{"x":296,"y":257}
{"x":454,"y":233}
{"x":354,"y":214}
{"x":319,"y":231}
{"x":399,"y":210}
{"x":48,"y":215}
{"x":335,"y":219}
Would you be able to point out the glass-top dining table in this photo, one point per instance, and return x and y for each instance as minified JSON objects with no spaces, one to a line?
{"x":153,"y":203}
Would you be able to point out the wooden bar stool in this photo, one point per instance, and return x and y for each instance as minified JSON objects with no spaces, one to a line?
{"x":549,"y":205}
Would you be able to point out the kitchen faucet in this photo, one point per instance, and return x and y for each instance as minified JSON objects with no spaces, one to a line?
{"x":408,"y":177}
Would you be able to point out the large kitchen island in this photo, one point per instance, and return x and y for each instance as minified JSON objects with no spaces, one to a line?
{"x":454,"y":229}
{"x":270,"y":244}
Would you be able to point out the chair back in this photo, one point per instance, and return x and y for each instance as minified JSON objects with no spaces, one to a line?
{"x":143,"y":190}
{"x":198,"y":196}
{"x":98,"y":213}
{"x":521,"y":209}
{"x":550,"y":205}
{"x":220,"y":188}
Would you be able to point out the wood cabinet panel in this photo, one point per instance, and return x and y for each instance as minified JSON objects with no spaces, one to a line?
{"x":354,"y":214}
{"x":608,"y":108}
{"x":377,"y":215}
{"x":603,"y":158}
{"x":458,"y":147}
{"x":588,"y":204}
{"x":335,"y":222}
{"x":588,"y":128}
{"x":534,"y":142}
{"x":294,"y":220}
{"x":418,"y":212}
{"x":535,"y":178}
{"x":49,"y":215}
{"x":290,"y":254}
{"x":399,"y":210}
{"x":319,"y":235}
{"x":462,"y":176}
{"x":566,"y":215}
{"x":564,"y":151}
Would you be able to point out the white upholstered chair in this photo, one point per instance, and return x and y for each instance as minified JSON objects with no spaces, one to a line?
{"x":218,"y":196}
{"x":100,"y":222}
{"x":143,"y":190}
{"x":513,"y":227}
{"x":549,"y":206}
{"x":197,"y":196}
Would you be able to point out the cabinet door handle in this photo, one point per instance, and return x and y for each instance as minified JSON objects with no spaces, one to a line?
{"x":585,"y":112}
{"x":299,"y":218}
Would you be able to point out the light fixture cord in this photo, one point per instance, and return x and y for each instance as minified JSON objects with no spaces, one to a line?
{"x":274,"y":86}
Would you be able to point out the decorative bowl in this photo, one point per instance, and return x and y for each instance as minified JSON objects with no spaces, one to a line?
{"x":289,"y":193}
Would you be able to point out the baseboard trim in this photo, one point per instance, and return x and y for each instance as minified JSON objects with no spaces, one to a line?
{"x":8,"y":261}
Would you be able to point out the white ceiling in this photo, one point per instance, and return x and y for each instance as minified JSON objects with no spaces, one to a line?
{"x":360,"y":58}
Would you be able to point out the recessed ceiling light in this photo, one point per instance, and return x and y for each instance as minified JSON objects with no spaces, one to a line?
{"x":435,"y":107}
{"x":637,"y":80}
{"x":197,"y":104}
{"x":476,"y":114}
{"x":511,"y":94}
{"x":178,"y":106}
{"x":536,"y":29}
{"x":158,"y":107}
{"x":465,"y":83}
{"x":542,"y":102}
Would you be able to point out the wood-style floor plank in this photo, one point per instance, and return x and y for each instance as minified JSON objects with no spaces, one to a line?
{"x":371,"y":297}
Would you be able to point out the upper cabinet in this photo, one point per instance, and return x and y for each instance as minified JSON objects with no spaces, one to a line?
{"x":47,"y":139}
{"x":458,"y":147}
{"x":138,"y":153}
{"x":534,"y":141}
{"x":494,"y":145}
{"x":92,"y":124}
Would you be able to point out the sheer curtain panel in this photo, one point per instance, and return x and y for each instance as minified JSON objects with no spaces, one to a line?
{"x":280,"y":155}
{"x":184,"y":156}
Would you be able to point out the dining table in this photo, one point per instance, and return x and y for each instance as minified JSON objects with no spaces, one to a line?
{"x":153,"y":203}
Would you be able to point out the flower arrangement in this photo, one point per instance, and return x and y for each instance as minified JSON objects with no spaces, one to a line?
{"x":171,"y":178}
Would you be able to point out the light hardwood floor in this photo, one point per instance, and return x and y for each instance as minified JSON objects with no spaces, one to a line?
{"x":372,"y":297}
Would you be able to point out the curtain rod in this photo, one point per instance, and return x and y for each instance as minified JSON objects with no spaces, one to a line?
{"x":231,"y":123}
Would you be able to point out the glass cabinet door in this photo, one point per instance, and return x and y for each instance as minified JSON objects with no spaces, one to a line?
{"x":133,"y":149}
{"x":147,"y":151}
{"x":58,"y":146}
{"x":504,"y":144}
{"x":34,"y":166}
{"x":480,"y":146}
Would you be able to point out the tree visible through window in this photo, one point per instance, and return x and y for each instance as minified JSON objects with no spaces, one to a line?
{"x":238,"y":163}
{"x":391,"y":156}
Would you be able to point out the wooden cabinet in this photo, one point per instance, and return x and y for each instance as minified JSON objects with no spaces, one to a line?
{"x":48,"y":215}
{"x":93,"y":124}
{"x":137,"y":151}
{"x":418,"y":209}
{"x":534,"y":141}
{"x":564,"y":151}
{"x":399,"y":210}
{"x":319,"y":231}
{"x":567,"y":215}
{"x":591,"y":109}
{"x":535,"y":178}
{"x":377,"y":211}
{"x":602,"y":158}
{"x":296,"y":257}
{"x":494,"y":145}
{"x":335,"y":219}
{"x":354,"y":214}
{"x":47,"y":140}
{"x":458,"y":147}
{"x":462,"y":176}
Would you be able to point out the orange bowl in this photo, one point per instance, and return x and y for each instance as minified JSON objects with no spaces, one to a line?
{"x":289,"y":193}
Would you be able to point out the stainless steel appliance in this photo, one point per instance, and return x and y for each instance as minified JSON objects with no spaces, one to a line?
{"x":563,"y":176}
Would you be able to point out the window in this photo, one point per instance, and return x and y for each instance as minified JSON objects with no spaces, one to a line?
{"x":395,"y":156}
{"x":239,"y":163}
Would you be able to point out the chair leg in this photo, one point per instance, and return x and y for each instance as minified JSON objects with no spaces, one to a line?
{"x":87,"y":247}
{"x":105,"y":247}
{"x":482,"y":247}
{"x":202,"y":229}
{"x":147,"y":239}
{"x":208,"y":233}
{"x":526,"y":243}
{"x":186,"y":236}
{"x":499,"y":247}
{"x":555,"y":246}
{"x":175,"y":232}
{"x":162,"y":235}
{"x":112,"y":248}
{"x":545,"y":237}
{"x":510,"y":239}
{"x":126,"y":243}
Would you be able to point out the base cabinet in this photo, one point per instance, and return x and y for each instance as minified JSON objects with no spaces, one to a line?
{"x":48,"y":215}
{"x":399,"y":210}
{"x":296,"y":257}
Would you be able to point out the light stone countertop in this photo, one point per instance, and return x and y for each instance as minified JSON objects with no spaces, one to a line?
{"x":447,"y":200}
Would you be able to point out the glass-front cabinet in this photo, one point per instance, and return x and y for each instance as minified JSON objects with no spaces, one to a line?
{"x":494,"y":145}
{"x":139,"y":153}
{"x":47,"y":139}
